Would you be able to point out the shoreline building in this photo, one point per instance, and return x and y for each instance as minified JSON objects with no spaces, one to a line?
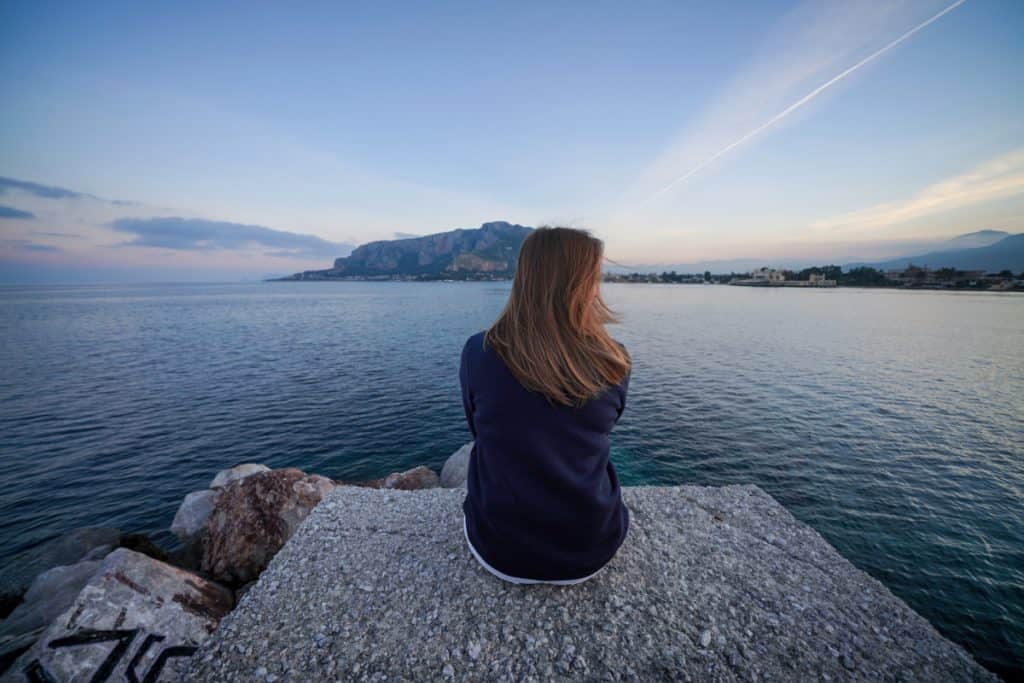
{"x":770,"y":277}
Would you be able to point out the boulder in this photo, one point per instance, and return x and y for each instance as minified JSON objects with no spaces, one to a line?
{"x":63,"y":550}
{"x":456,"y":468}
{"x":190,"y":520}
{"x":50,"y":594}
{"x":136,"y":619}
{"x":53,"y":581}
{"x":253,"y":518}
{"x":421,"y":477}
{"x":237,"y":473}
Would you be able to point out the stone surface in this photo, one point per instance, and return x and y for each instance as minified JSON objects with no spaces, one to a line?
{"x":237,"y":473}
{"x":190,"y":519}
{"x":421,"y":477}
{"x":63,"y":550}
{"x":50,"y":594}
{"x":711,"y":584}
{"x":456,"y":468}
{"x":136,"y":619}
{"x":253,"y":518}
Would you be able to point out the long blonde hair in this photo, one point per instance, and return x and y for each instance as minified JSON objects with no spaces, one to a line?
{"x":551,"y":333}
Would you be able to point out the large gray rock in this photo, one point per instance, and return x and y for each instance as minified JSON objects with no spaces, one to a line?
{"x":50,"y":594}
{"x":190,"y":520}
{"x":456,"y":467}
{"x":64,"y":550}
{"x":53,"y":581}
{"x":711,"y":584}
{"x":237,"y":473}
{"x":136,"y":619}
{"x":253,"y":518}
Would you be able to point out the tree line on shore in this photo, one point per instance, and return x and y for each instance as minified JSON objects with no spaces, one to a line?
{"x":859,"y":276}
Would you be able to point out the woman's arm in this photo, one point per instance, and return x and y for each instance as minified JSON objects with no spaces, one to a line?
{"x":624,"y":389}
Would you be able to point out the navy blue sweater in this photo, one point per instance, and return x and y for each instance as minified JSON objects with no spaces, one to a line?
{"x":543,"y":499}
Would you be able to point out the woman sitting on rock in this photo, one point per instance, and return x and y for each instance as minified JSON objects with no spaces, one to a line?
{"x":542,"y":389}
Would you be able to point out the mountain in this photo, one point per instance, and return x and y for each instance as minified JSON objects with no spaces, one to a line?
{"x":973,"y":240}
{"x":937,"y":253}
{"x":488,"y":251}
{"x":1005,"y":254}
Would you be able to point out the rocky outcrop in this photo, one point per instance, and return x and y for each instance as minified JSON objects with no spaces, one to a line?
{"x":456,"y":467}
{"x":190,"y":520}
{"x":50,"y":594}
{"x":135,"y":619}
{"x":253,"y":518}
{"x":421,"y":477}
{"x":249,"y":525}
{"x":711,"y":584}
{"x":492,"y":249}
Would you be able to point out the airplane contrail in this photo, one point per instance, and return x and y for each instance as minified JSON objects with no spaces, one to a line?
{"x":802,"y":101}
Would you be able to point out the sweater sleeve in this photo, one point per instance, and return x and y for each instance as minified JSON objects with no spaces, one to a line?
{"x":624,"y":389}
{"x":467,"y":394}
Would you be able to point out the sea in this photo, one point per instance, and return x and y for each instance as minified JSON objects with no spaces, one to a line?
{"x":892,"y":422}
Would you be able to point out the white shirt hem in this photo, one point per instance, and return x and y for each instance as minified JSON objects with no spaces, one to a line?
{"x":516,"y":579}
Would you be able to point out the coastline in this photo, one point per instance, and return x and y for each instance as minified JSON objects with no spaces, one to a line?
{"x":752,"y":583}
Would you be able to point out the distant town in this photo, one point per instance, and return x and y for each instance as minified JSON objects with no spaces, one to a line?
{"x":489,"y":254}
{"x":911,"y":277}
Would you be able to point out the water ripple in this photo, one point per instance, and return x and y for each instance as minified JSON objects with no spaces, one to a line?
{"x":889,"y":421}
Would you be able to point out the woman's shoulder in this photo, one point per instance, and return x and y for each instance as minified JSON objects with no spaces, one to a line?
{"x":474,"y":344}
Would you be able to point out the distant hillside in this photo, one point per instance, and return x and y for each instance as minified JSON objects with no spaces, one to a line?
{"x":941,"y":254}
{"x":973,"y":240}
{"x":490,"y":250}
{"x":1005,"y":254}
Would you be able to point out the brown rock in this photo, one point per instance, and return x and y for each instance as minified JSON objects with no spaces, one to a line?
{"x":421,"y":477}
{"x":253,"y":518}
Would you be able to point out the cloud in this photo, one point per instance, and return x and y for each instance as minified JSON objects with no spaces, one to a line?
{"x":997,"y":178}
{"x":198,"y":234}
{"x":810,"y":50}
{"x":53,"y":192}
{"x":405,"y":235}
{"x":11,"y":212}
{"x":44,"y":191}
{"x":802,"y":101}
{"x":72,"y":235}
{"x":25,"y":245}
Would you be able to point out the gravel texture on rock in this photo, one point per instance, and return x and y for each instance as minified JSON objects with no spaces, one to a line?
{"x":711,"y":584}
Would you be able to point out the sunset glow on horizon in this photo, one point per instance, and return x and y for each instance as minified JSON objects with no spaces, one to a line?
{"x":190,"y":142}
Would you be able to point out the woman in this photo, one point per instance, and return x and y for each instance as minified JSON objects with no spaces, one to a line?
{"x":542,"y":388}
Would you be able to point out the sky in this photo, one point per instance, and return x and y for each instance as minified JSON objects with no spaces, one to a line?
{"x":209,"y":141}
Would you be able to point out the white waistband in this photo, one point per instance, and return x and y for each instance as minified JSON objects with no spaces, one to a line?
{"x":516,"y":579}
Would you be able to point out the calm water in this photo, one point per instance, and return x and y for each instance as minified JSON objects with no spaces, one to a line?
{"x":889,"y":421}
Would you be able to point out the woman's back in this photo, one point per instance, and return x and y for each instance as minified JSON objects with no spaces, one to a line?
{"x":543,"y":499}
{"x":542,"y":388}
